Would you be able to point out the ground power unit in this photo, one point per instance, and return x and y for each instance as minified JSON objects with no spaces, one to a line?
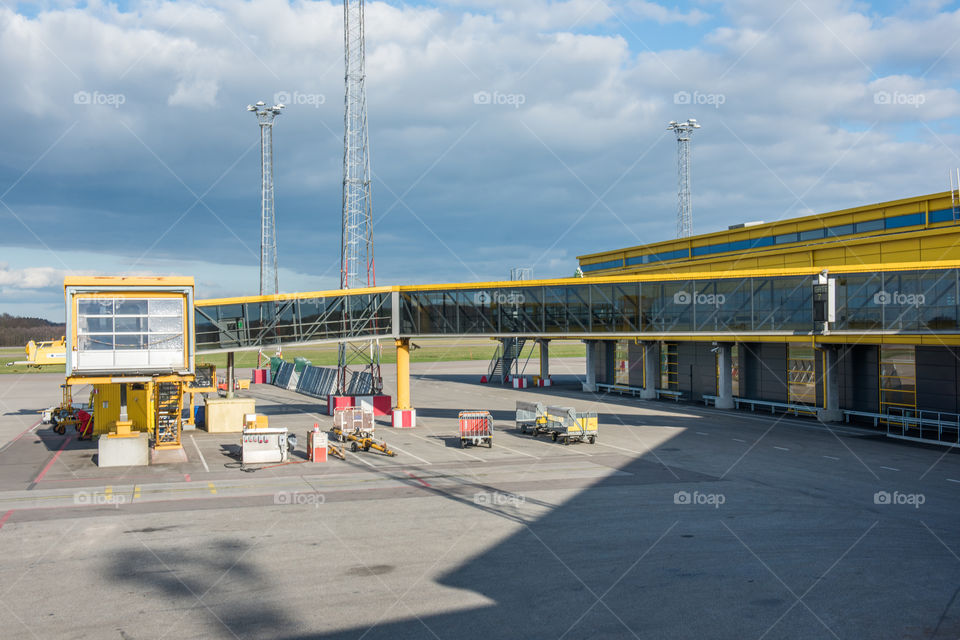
{"x":264,"y":445}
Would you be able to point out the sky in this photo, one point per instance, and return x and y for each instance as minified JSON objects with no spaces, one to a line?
{"x":503,"y":134}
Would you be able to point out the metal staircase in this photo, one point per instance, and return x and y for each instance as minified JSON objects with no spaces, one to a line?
{"x":169,"y":404}
{"x":504,"y":360}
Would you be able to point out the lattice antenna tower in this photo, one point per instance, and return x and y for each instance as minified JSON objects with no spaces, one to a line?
{"x":684,"y":131}
{"x":269,"y":277}
{"x":356,"y":251}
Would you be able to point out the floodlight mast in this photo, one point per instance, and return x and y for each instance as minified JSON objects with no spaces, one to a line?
{"x":269,"y":272}
{"x":357,"y":268}
{"x":684,"y":131}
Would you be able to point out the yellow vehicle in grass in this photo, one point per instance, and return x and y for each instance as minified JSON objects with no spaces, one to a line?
{"x":41,"y":354}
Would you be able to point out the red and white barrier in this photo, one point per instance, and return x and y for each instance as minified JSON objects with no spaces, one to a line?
{"x":545,"y":382}
{"x":404,"y":418}
{"x":520,"y":383}
{"x":317,"y":445}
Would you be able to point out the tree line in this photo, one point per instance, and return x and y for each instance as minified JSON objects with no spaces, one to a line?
{"x":16,"y":331}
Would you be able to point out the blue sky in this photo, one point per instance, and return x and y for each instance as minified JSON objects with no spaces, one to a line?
{"x":127,"y":147}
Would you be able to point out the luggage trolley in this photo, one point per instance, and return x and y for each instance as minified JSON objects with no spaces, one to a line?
{"x":572,"y":425}
{"x":533,"y":416}
{"x":476,"y":428}
{"x":353,"y":421}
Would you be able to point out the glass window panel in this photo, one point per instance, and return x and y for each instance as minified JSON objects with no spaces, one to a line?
{"x":95,"y":324}
{"x":131,"y":341}
{"x":95,"y":307}
{"x":131,"y":324}
{"x":869,"y":225}
{"x":840,"y":230}
{"x":131,"y":307}
{"x":811,"y":234}
{"x":161,"y":325}
{"x":166,"y":307}
{"x":165,"y":342}
{"x":785,"y":238}
{"x":95,"y":343}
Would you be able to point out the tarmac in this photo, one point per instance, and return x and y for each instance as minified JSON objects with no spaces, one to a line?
{"x":681,"y":521}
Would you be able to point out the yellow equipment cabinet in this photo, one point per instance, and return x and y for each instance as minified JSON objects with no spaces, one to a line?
{"x":132,"y":338}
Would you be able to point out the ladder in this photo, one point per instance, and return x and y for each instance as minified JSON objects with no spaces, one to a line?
{"x":507,"y":354}
{"x":169,"y":404}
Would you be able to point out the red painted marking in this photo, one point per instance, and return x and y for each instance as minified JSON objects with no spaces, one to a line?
{"x":186,"y":477}
{"x":23,"y":434}
{"x":420,"y":480}
{"x":5,"y":517}
{"x":53,"y":459}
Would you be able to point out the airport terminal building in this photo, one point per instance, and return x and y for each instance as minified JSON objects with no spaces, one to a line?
{"x":848,"y":313}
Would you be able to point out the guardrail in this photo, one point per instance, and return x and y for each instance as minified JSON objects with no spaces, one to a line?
{"x":622,"y":389}
{"x":676,"y":396}
{"x":922,"y":425}
{"x":795,"y":409}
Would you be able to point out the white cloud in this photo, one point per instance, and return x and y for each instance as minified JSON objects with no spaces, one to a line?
{"x":800,"y":127}
{"x":663,"y":15}
{"x":30,"y":277}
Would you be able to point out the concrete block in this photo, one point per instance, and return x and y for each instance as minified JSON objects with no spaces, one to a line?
{"x":225,"y":415}
{"x":133,"y":451}
{"x":404,"y":418}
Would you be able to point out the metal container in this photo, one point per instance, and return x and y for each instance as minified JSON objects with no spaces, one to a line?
{"x":570,"y":425}
{"x":531,"y":416}
{"x":476,"y":428}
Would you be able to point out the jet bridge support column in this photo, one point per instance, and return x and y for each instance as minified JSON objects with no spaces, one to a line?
{"x":724,"y":376}
{"x":590,"y":383}
{"x":544,"y":362}
{"x":403,"y":415}
{"x":831,"y":386}
{"x":651,"y":371}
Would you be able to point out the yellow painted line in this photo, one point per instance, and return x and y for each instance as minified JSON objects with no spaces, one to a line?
{"x":136,"y":492}
{"x":213,"y":489}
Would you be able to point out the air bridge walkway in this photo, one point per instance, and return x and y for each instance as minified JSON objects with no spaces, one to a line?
{"x":881,"y":301}
{"x":871,"y":307}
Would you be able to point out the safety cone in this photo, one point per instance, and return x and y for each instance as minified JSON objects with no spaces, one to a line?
{"x":483,"y":379}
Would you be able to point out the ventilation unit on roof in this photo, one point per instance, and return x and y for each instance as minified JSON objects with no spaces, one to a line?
{"x":742,"y":225}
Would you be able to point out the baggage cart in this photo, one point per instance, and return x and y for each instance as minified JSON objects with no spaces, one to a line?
{"x":571,"y":425}
{"x":353,"y":421}
{"x":531,"y":416}
{"x":476,"y":428}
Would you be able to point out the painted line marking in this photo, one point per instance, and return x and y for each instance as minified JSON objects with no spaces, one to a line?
{"x":186,"y":477}
{"x":440,"y":444}
{"x":407,"y":453}
{"x":197,"y":447}
{"x":831,"y":457}
{"x":53,"y":459}
{"x":740,"y":440}
{"x":212,"y":488}
{"x":420,"y":480}
{"x":366,"y":462}
{"x":613,"y":446}
{"x":136,"y":491}
{"x":529,"y":455}
{"x":5,"y":517}
{"x":781,"y":448}
{"x":890,"y":469}
{"x":702,"y":433}
{"x":4,"y":447}
{"x":952,"y":480}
